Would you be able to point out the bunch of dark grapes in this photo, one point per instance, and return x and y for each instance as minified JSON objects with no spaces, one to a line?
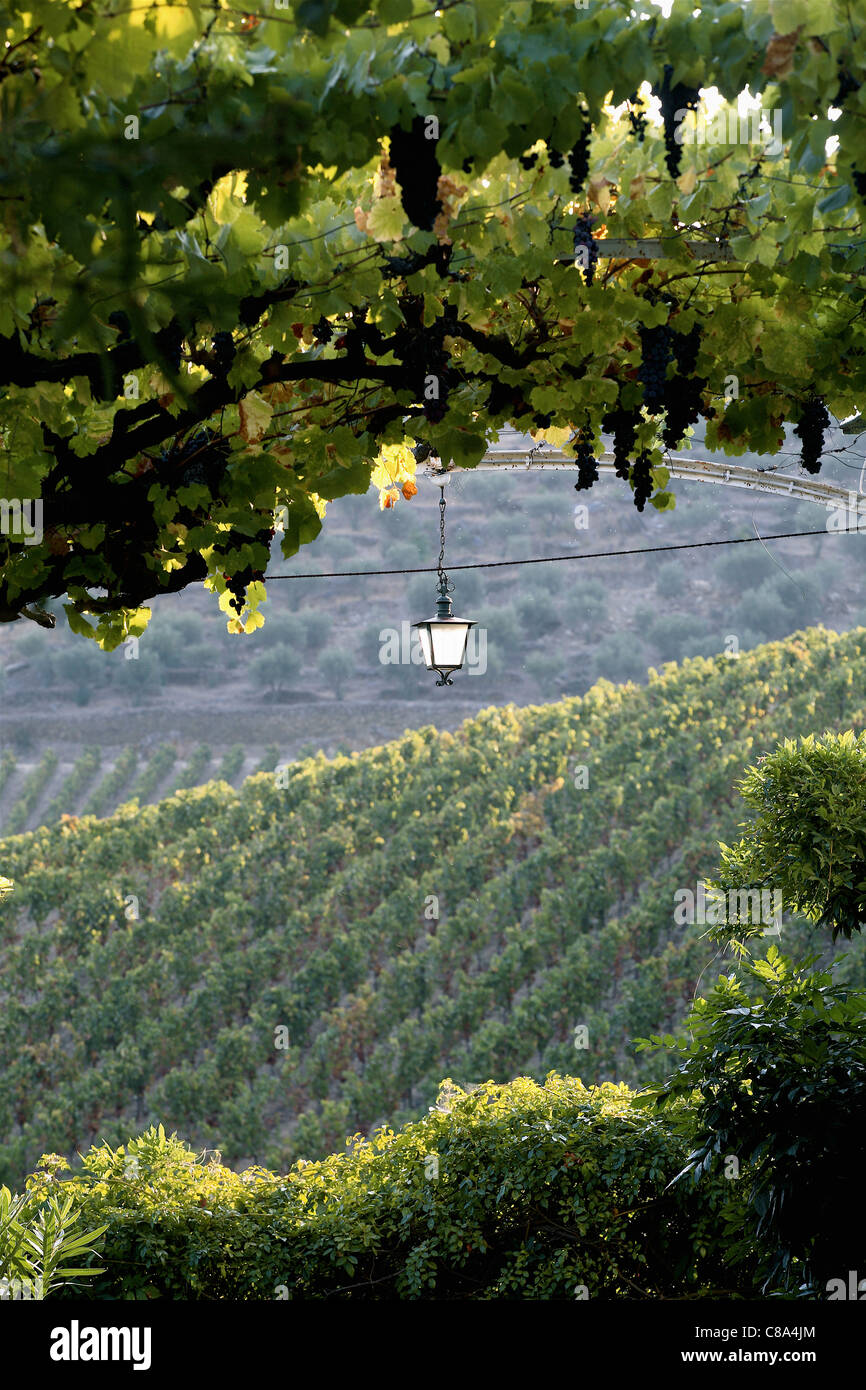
{"x":528,"y":161}
{"x":171,"y":342}
{"x":322,"y":331}
{"x":587,"y":469}
{"x":224,"y":352}
{"x":638,"y":122}
{"x":120,"y":321}
{"x":542,"y":422}
{"x":584,"y":240}
{"x":847,"y":84}
{"x":656,"y":352}
{"x":578,"y":159}
{"x":622,"y":424}
{"x":810,"y":430}
{"x":413,"y":157}
{"x":201,"y":458}
{"x":642,"y":479}
{"x":683,"y":397}
{"x":237,"y":583}
{"x":422,"y":352}
{"x":859,"y":182}
{"x":555,"y":159}
{"x":674,"y":98}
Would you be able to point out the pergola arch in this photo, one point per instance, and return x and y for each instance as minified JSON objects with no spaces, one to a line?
{"x":520,"y":453}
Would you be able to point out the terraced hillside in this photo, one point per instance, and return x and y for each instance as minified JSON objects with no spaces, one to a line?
{"x":270,"y":969}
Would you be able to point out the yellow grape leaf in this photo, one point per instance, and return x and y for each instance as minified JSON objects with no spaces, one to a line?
{"x":395,"y":465}
{"x":255,"y":415}
{"x":558,"y":437}
{"x":599,"y":192}
{"x":687,"y":180}
{"x":387,"y":220}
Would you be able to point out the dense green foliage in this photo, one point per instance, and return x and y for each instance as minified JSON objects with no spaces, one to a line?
{"x":517,"y":1191}
{"x":265,"y":970}
{"x":808,"y":834}
{"x":781,"y":1085}
{"x":233,"y":261}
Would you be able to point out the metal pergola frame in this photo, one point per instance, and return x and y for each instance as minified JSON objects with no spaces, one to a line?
{"x":520,"y":454}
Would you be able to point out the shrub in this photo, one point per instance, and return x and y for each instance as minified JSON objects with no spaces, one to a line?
{"x":781,"y":1081}
{"x":518,"y":1191}
{"x":808,"y":835}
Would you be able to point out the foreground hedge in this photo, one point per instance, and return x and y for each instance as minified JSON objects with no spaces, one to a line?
{"x":517,"y":1191}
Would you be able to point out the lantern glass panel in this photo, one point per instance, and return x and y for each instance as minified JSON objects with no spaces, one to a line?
{"x":448,"y":641}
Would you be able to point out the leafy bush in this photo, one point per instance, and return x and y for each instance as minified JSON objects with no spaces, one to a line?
{"x":808,"y":837}
{"x":519,"y":1191}
{"x":781,"y":1082}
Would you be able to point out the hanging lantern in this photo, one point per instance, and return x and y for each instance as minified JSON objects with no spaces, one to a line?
{"x":443,"y":638}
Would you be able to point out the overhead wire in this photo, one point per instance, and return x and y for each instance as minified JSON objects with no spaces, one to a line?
{"x":551,"y":559}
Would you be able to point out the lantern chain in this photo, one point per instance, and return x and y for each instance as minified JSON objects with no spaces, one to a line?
{"x":444,"y":584}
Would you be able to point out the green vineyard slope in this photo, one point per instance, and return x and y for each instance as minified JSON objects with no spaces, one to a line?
{"x":269,"y":969}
